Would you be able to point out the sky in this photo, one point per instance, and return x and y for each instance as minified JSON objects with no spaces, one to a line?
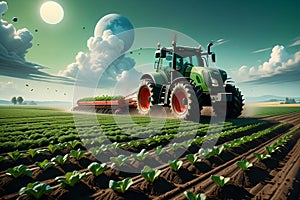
{"x":256,"y":42}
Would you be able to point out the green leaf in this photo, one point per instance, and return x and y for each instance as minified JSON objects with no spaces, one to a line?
{"x":15,"y":155}
{"x":97,"y":168}
{"x":141,"y":156}
{"x":175,"y":164}
{"x":193,"y":158}
{"x":120,"y":186}
{"x":150,"y":174}
{"x":52,"y":148}
{"x":261,"y":157}
{"x":244,"y":164}
{"x":192,"y":196}
{"x":31,"y":152}
{"x":59,"y":159}
{"x":220,"y":180}
{"x":18,"y":171}
{"x":77,"y":154}
{"x":36,"y":189}
{"x":119,"y":160}
{"x":70,"y":178}
{"x":159,"y":150}
{"x":45,"y":164}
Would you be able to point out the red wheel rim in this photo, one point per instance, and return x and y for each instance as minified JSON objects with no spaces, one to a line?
{"x":179,"y":102}
{"x":144,"y":98}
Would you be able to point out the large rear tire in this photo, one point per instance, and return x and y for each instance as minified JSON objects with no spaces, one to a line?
{"x":183,"y":102}
{"x":146,"y":97}
{"x":234,"y":107}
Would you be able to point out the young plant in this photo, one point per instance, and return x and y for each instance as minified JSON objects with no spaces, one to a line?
{"x":77,"y":154}
{"x":15,"y":155}
{"x":42,"y":151}
{"x":52,"y":148}
{"x":159,"y":150}
{"x":73,"y":143}
{"x":174,"y":146}
{"x":193,"y":158}
{"x":192,"y":196}
{"x":220,"y":181}
{"x":120,"y":160}
{"x":244,"y":164}
{"x":60,"y":160}
{"x":45,"y":164}
{"x":175,"y":164}
{"x":3,"y":159}
{"x":120,"y":186}
{"x":36,"y":189}
{"x":150,"y":174}
{"x":141,"y":156}
{"x":31,"y":152}
{"x":19,"y":171}
{"x":205,"y":152}
{"x":271,"y":149}
{"x":97,"y":168}
{"x":261,"y":157}
{"x":70,"y":179}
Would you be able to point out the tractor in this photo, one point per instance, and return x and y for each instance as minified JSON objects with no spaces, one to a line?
{"x":185,"y":82}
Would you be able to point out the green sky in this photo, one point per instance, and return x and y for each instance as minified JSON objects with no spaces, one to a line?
{"x":249,"y":30}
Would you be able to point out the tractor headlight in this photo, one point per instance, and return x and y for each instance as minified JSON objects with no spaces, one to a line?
{"x":214,"y":82}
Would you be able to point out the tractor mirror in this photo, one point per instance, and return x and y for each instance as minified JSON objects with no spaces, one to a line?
{"x":157,"y":54}
{"x":213,"y":57}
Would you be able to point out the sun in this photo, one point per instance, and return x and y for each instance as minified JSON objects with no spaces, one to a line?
{"x":51,"y":12}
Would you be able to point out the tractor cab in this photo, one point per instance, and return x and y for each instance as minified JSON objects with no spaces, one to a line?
{"x":181,"y":59}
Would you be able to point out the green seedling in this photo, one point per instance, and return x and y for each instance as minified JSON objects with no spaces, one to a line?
{"x":70,"y":179}
{"x":36,"y":189}
{"x":244,"y":164}
{"x":97,"y":168}
{"x":120,"y":186}
{"x":175,"y":164}
{"x":192,"y":196}
{"x":220,"y":181}
{"x":45,"y":164}
{"x":150,"y":174}
{"x":19,"y":171}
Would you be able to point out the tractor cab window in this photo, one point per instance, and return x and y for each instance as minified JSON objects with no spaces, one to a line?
{"x":166,"y":63}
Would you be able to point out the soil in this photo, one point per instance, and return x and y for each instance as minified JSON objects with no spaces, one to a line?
{"x":277,"y":177}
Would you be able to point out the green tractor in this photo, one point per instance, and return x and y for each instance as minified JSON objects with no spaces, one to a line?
{"x":184,"y":82}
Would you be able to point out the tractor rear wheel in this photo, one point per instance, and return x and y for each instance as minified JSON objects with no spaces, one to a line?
{"x":146,"y":96}
{"x":183,"y":102}
{"x":234,"y":107}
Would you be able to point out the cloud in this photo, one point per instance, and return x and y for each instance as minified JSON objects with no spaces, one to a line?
{"x":14,"y":44}
{"x":281,"y":67}
{"x":296,"y":43}
{"x":220,"y":42}
{"x":261,"y":50}
{"x":104,"y":65}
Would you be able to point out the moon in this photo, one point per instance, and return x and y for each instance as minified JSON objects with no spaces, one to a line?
{"x":119,"y":25}
{"x":51,"y":12}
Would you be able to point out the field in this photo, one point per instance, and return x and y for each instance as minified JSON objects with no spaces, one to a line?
{"x":69,"y":157}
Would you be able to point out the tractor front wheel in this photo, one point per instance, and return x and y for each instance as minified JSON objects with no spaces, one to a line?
{"x":145,"y":97}
{"x":184,"y":103}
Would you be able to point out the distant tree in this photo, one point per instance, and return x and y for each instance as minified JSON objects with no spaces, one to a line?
{"x":20,"y":100}
{"x":14,"y":100}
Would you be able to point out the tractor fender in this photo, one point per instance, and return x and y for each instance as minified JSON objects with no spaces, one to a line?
{"x":179,"y":79}
{"x":157,"y":78}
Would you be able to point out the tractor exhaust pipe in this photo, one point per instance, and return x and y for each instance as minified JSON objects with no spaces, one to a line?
{"x":208,"y":48}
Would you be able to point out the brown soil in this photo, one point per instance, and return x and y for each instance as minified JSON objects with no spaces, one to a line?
{"x":277,"y":177}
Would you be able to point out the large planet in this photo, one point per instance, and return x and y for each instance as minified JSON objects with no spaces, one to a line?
{"x":119,"y":25}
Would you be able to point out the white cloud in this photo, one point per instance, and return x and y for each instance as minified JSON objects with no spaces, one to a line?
{"x":103,"y":65}
{"x":296,"y":43}
{"x":281,"y":67}
{"x":14,"y":44}
{"x":261,"y":50}
{"x":6,"y":85}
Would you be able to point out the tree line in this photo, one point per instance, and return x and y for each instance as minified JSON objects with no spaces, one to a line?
{"x":18,"y":100}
